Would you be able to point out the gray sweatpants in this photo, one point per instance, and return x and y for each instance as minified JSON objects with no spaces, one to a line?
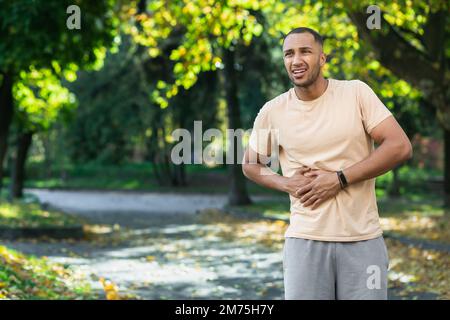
{"x":335,"y":270}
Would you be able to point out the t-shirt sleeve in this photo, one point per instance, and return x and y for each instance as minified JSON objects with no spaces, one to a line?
{"x":260,"y":136}
{"x":373,"y":111}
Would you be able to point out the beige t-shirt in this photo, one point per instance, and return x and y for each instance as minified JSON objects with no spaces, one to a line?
{"x":329,"y":133}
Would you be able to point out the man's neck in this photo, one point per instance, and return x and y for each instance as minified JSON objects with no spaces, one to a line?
{"x":313,"y":91}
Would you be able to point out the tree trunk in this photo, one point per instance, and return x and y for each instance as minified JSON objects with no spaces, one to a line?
{"x":447,"y":168}
{"x":394,"y":188}
{"x":237,"y":194}
{"x":155,"y":157}
{"x":6,"y":114}
{"x":179,"y":175}
{"x":47,"y":154}
{"x":18,"y":168}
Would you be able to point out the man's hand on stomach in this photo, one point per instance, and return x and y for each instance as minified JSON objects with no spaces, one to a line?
{"x":297,"y":180}
{"x":323,"y":186}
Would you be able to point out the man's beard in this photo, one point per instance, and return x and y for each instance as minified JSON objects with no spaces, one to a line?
{"x":310,"y":80}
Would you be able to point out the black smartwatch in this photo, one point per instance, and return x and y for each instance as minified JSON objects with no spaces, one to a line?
{"x":342,"y":179}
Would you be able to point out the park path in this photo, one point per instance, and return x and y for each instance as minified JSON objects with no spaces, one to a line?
{"x":163,"y":251}
{"x":131,"y":208}
{"x":172,"y":261}
{"x":91,"y":202}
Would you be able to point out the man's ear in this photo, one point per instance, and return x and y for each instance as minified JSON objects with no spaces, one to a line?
{"x":323,"y":59}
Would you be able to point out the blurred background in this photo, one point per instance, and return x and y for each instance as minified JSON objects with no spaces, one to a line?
{"x":91,"y":205}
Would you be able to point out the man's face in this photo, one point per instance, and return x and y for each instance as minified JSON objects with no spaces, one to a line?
{"x":303,"y":58}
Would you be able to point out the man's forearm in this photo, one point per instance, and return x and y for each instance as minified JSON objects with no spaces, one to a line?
{"x":387,"y":156}
{"x":262,"y":175}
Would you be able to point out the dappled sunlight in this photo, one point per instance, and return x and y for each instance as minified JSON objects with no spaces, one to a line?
{"x":232,"y":228}
{"x":18,"y":214}
{"x":424,"y":220}
{"x":418,"y":226}
{"x":401,"y":277}
{"x":219,"y":256}
{"x":418,"y":270}
{"x":409,"y":223}
{"x":190,"y":260}
{"x":97,"y":229}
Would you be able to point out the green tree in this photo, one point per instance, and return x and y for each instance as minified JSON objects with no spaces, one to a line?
{"x":34,"y":34}
{"x":212,"y":35}
{"x":113,"y":103}
{"x":116,"y":115}
{"x":218,"y":34}
{"x":413,"y":43}
{"x":40,"y":101}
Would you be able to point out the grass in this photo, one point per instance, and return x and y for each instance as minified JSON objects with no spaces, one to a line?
{"x":201,"y":179}
{"x":132,"y":177}
{"x":415,"y":182}
{"x":107,"y":184}
{"x":416,"y":217}
{"x":31,"y":278}
{"x":20,"y":214}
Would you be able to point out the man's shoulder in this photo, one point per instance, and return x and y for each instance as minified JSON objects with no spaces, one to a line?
{"x":354,"y":85}
{"x":350,"y":88}
{"x":277,"y":101}
{"x":349,"y":84}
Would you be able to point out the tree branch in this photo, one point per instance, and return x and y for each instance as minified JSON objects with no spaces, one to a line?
{"x":398,"y":55}
{"x":416,"y":36}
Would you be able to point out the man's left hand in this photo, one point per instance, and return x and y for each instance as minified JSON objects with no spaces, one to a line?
{"x":325,"y":186}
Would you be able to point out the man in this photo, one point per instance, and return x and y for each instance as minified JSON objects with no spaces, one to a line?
{"x":324,"y":132}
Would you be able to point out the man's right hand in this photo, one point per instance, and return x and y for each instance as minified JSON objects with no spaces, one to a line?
{"x":261,"y":174}
{"x":297,"y":180}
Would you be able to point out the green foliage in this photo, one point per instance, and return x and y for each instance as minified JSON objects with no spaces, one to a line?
{"x":31,"y":278}
{"x":40,"y":99}
{"x":115,"y":119}
{"x":39,"y":50}
{"x":112,"y":109}
{"x":207,"y":27}
{"x":34,"y":33}
{"x":175,"y":57}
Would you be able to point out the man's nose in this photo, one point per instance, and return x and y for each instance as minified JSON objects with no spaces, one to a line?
{"x":297,"y":60}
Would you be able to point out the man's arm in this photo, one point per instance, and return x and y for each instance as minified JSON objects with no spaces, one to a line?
{"x":394,"y":149}
{"x":261,"y":174}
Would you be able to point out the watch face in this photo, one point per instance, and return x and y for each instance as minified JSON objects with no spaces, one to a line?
{"x":342,"y":179}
